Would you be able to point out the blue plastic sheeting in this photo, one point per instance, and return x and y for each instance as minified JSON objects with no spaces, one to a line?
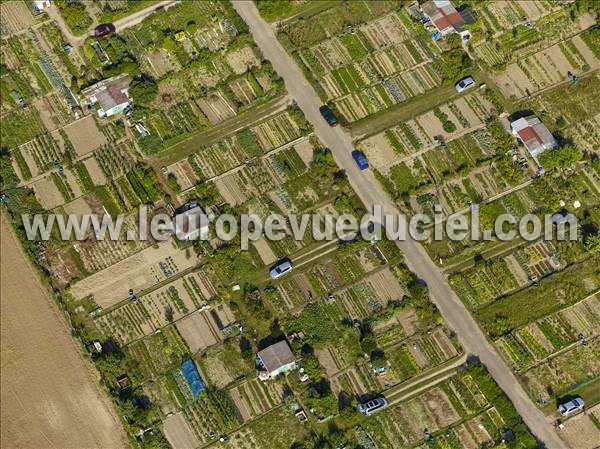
{"x":192,"y":377}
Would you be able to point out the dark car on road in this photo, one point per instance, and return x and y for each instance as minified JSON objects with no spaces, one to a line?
{"x":328,"y":115}
{"x":104,"y":30}
{"x":360,"y":159}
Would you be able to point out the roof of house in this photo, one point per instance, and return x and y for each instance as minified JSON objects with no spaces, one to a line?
{"x":443,"y":14}
{"x":534,"y":134}
{"x":110,"y":92}
{"x":276,"y":356}
{"x":189,"y":220}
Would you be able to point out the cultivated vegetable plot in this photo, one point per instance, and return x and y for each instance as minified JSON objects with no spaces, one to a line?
{"x":99,"y":254}
{"x":43,"y":151}
{"x":419,"y":354}
{"x":484,"y":282}
{"x":253,"y":398}
{"x":455,"y":399}
{"x":212,"y":414}
{"x":539,"y":340}
{"x":160,"y":353}
{"x":563,"y":373}
{"x":372,"y":67}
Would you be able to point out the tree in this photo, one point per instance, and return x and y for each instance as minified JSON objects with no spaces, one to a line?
{"x":143,"y":90}
{"x":560,"y":158}
{"x":453,"y":64}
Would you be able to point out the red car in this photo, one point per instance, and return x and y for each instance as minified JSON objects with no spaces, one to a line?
{"x":104,"y":29}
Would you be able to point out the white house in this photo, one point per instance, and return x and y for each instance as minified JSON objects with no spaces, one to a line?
{"x":110,"y":95}
{"x":275,"y":359}
{"x":534,"y":135}
{"x":191,"y":222}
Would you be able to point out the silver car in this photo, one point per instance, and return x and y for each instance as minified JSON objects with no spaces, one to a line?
{"x":572,"y":406}
{"x":280,"y":269}
{"x":368,"y":408}
{"x":464,"y":84}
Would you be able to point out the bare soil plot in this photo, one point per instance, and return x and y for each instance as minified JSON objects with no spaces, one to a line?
{"x":15,"y":17}
{"x":264,"y":251}
{"x":50,"y":394}
{"x":95,"y":171}
{"x":386,"y":286}
{"x":216,"y":107}
{"x":184,"y":174}
{"x":516,"y":269}
{"x":329,"y":360}
{"x":140,"y":271}
{"x":178,"y":432}
{"x":47,"y":193}
{"x":465,"y":437}
{"x":161,"y":62}
{"x":585,"y":51}
{"x":379,"y":152}
{"x":408,"y":320}
{"x":78,"y":207}
{"x":581,"y":432}
{"x":53,"y":114}
{"x":197,"y":331}
{"x":85,"y":135}
{"x":240,"y":60}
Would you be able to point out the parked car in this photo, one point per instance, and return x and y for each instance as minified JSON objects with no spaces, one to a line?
{"x":328,"y":115}
{"x":372,"y":406}
{"x":282,"y":267}
{"x":464,"y":84}
{"x":572,"y":406}
{"x":104,"y":29}
{"x":360,"y":159}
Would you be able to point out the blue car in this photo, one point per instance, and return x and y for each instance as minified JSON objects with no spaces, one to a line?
{"x":360,"y":159}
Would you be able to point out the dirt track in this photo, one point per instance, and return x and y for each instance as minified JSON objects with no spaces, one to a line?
{"x":50,"y":394}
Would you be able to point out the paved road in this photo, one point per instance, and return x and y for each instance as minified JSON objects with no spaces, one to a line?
{"x":369,"y":190}
{"x":120,"y":24}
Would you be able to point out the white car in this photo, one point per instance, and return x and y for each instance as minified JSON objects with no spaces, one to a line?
{"x":572,"y":406}
{"x":283,"y":267}
{"x":464,"y":84}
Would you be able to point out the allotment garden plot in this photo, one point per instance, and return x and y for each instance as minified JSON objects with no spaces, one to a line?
{"x":372,"y":67}
{"x":546,"y":68}
{"x":138,"y":272}
{"x":456,"y":411}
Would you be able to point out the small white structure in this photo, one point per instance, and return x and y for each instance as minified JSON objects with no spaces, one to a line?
{"x":40,"y":5}
{"x":191,"y":222}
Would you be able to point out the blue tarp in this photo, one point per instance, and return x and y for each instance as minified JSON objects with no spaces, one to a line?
{"x":192,"y":377}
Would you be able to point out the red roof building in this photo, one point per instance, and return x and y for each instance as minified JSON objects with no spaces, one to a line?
{"x":443,"y":15}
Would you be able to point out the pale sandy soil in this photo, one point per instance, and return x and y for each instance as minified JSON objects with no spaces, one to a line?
{"x":580,"y":432}
{"x":239,"y":60}
{"x":139,"y":272}
{"x":47,"y":193}
{"x":305,"y":151}
{"x":95,"y":171}
{"x":178,"y":432}
{"x":50,"y":394}
{"x":264,"y":250}
{"x":197,"y":331}
{"x":15,"y":16}
{"x":78,"y":207}
{"x":85,"y":135}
